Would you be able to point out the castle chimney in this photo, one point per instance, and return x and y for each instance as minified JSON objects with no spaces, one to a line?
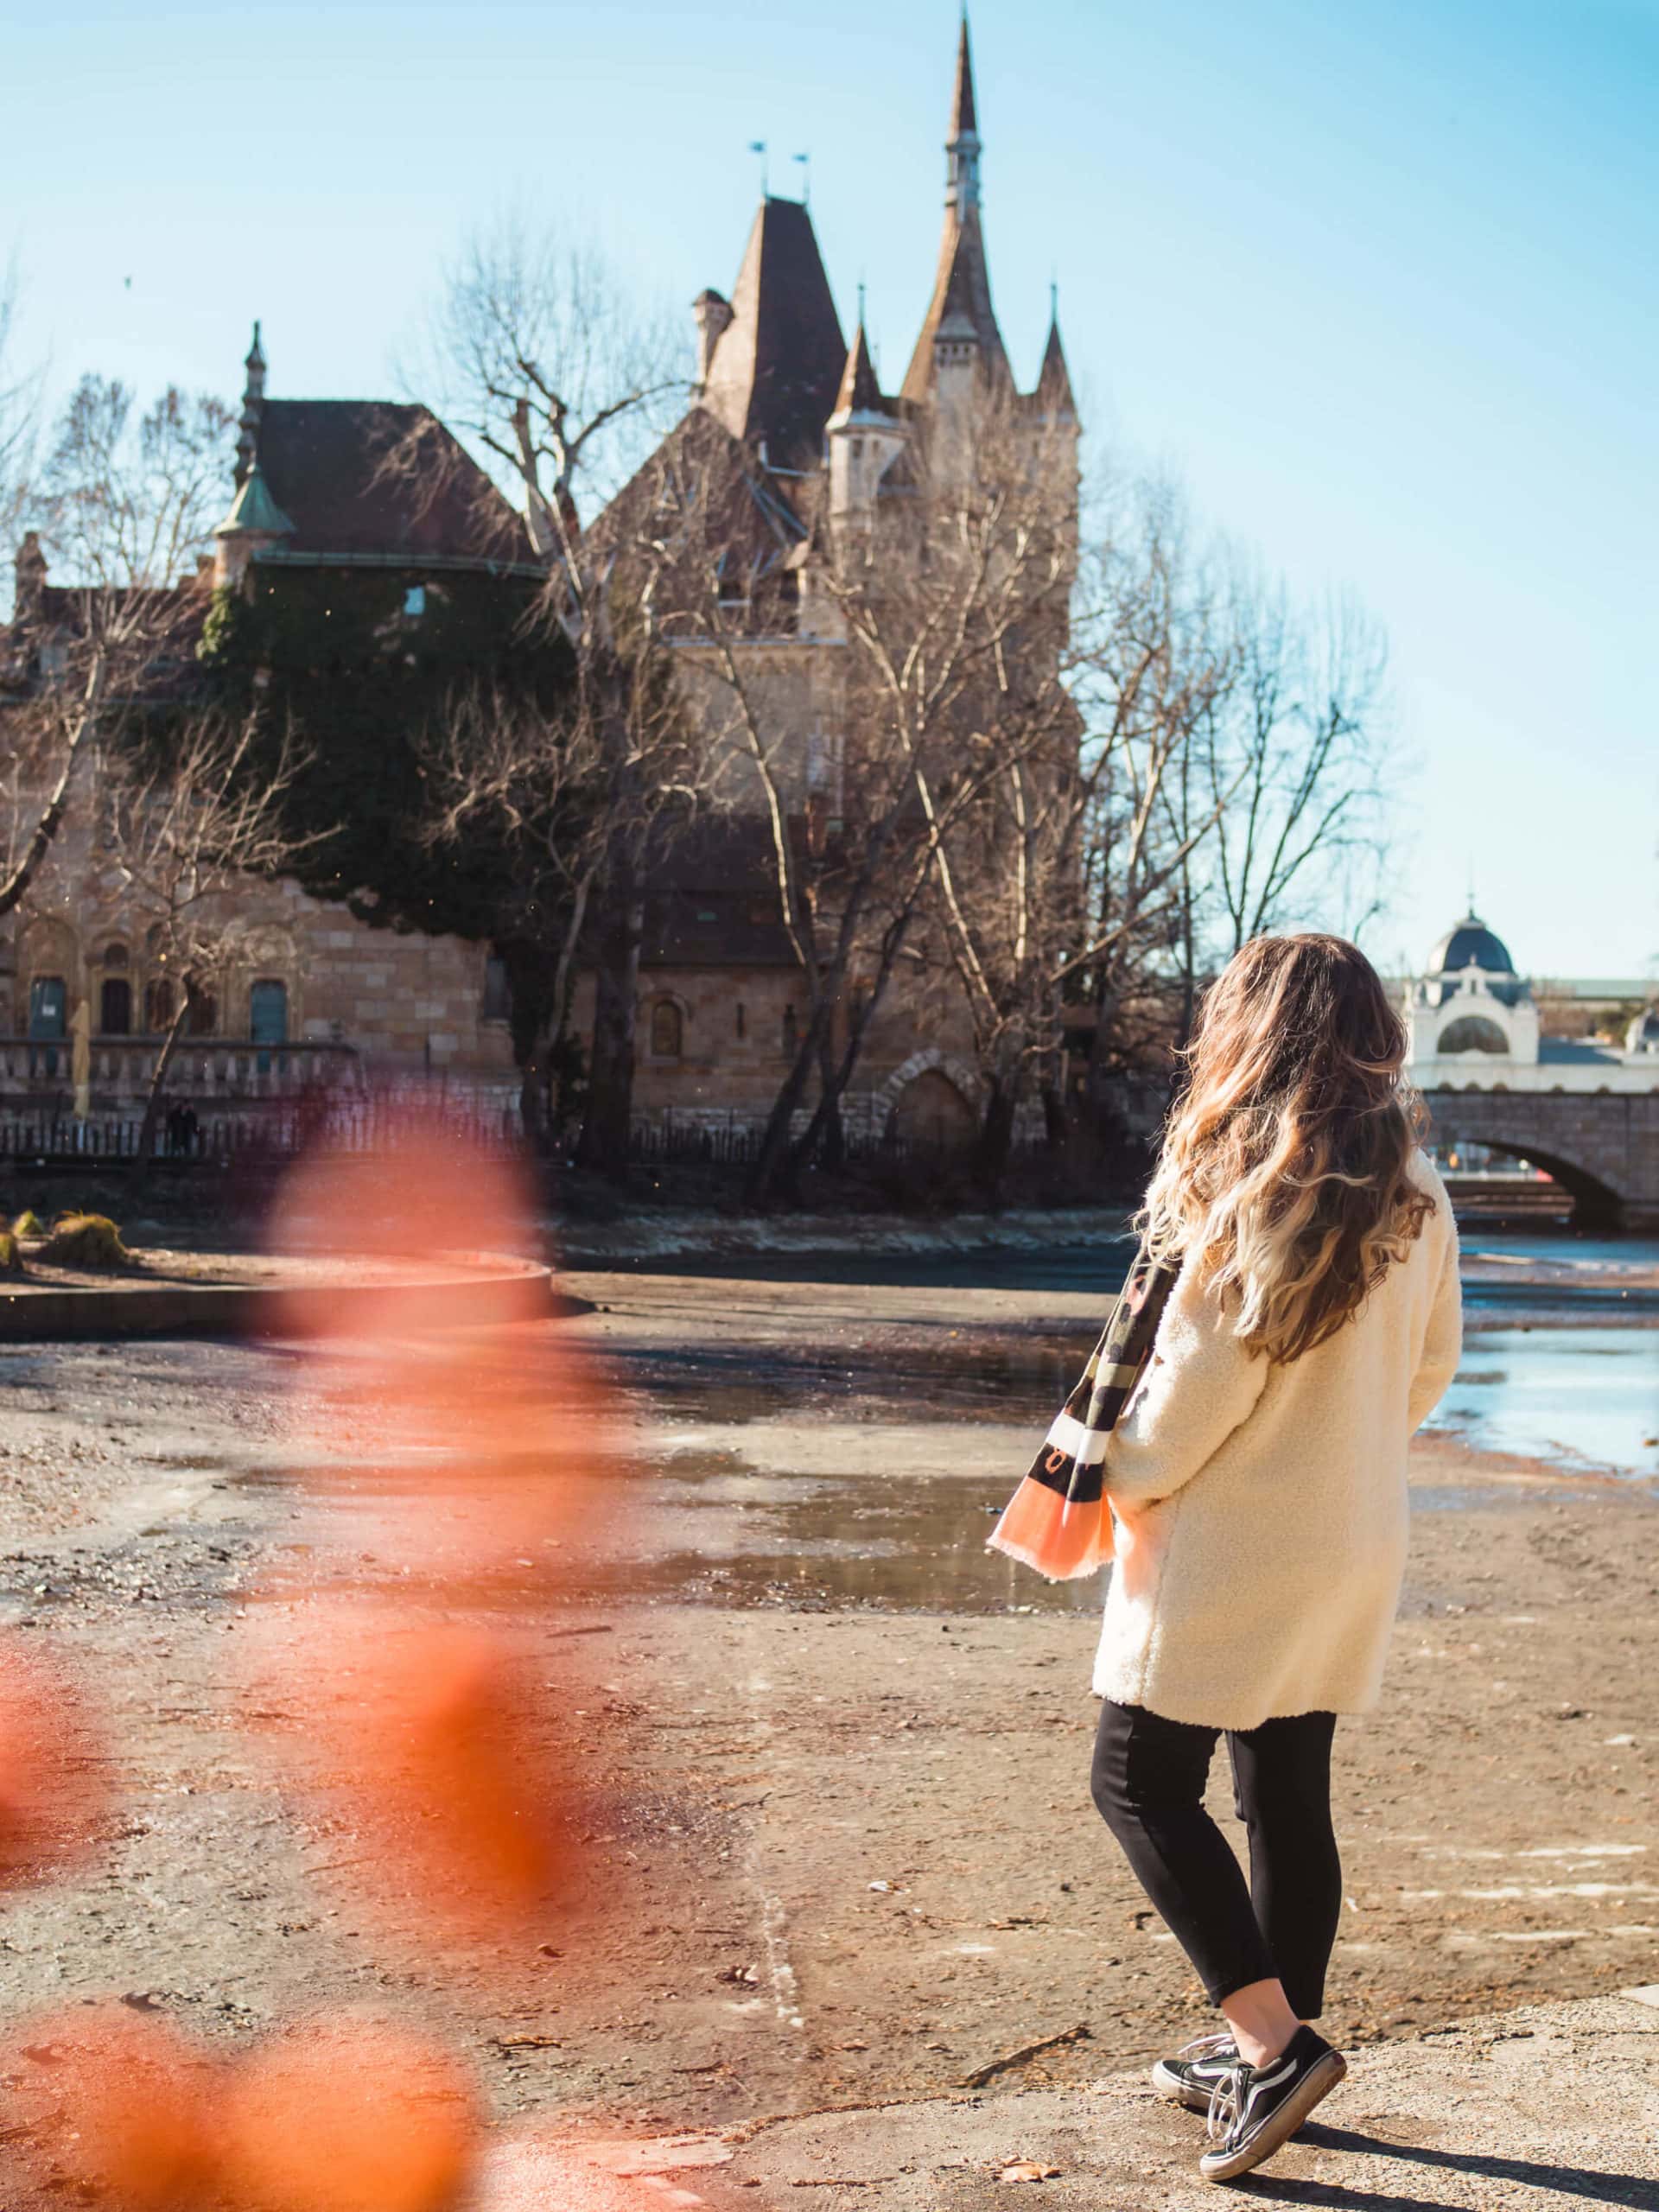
{"x":29,"y":570}
{"x":712,"y":312}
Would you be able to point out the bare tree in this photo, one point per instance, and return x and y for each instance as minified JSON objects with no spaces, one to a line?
{"x":539,"y":354}
{"x":127,"y":504}
{"x":537,"y":785}
{"x":950,"y":602}
{"x":20,"y":393}
{"x":131,"y":501}
{"x":183,"y":833}
{"x":1298,"y":752}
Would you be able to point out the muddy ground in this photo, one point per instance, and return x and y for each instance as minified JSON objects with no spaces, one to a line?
{"x":842,"y":1846}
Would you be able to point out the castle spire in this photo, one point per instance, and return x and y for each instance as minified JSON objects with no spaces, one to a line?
{"x":859,"y":393}
{"x":962,"y":147}
{"x":1054,"y":378}
{"x":253,"y":408}
{"x":959,"y":319}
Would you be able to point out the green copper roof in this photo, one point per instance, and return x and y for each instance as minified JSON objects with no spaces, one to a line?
{"x":254,"y":513}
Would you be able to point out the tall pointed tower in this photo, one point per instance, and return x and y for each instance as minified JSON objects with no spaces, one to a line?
{"x":959,"y":337}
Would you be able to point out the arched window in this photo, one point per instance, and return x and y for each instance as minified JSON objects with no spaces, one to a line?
{"x":1472,"y":1033}
{"x":115,"y":1006}
{"x":158,"y":1005}
{"x":116,"y":958}
{"x":268,"y":1011}
{"x":48,"y":1008}
{"x":667,"y":1030}
{"x":203,"y":1020}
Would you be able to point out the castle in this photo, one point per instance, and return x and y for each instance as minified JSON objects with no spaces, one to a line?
{"x":824,"y":454}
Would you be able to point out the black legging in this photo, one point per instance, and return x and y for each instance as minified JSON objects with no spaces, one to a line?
{"x":1148,"y":1780}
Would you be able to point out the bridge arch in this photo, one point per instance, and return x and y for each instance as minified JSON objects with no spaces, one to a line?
{"x":1601,"y":1148}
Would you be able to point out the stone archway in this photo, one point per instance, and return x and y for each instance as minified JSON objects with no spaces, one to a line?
{"x":932,"y":1098}
{"x":1601,"y":1147}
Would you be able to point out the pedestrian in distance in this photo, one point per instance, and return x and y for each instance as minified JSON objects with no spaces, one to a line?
{"x":1298,"y":1306}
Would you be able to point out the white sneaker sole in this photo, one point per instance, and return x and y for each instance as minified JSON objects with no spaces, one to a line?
{"x":1279,"y":2126}
{"x":1176,"y":2092}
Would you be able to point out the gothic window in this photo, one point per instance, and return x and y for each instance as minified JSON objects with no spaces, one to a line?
{"x":48,"y":1008}
{"x":115,"y":1006}
{"x":268,"y":1011}
{"x":667,"y":1030}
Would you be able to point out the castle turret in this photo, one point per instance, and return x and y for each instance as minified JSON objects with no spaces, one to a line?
{"x":863,"y":434}
{"x":712,"y":312}
{"x":29,"y":571}
{"x":254,"y":522}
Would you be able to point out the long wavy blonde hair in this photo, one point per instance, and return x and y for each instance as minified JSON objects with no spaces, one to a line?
{"x":1285,"y":1171}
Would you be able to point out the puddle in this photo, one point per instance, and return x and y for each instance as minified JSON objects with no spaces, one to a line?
{"x":1578,"y":1397}
{"x":822,"y":1545}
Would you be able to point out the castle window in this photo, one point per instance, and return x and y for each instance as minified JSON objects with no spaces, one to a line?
{"x":48,"y":1008}
{"x":667,"y":1030}
{"x":268,"y":1011}
{"x":497,"y":994}
{"x":1472,"y":1033}
{"x":115,"y":1006}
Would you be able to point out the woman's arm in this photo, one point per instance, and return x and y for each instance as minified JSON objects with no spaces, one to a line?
{"x":1200,"y":1385}
{"x":1442,"y":1340}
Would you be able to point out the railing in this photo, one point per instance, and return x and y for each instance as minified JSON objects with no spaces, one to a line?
{"x":204,"y":1070}
{"x":188,"y":1131}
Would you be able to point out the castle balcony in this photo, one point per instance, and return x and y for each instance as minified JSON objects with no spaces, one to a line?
{"x":205,"y":1071}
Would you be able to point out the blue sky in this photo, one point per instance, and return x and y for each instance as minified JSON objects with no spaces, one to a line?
{"x":1376,"y":281}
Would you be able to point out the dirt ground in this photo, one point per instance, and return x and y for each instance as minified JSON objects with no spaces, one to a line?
{"x":843,"y":1845}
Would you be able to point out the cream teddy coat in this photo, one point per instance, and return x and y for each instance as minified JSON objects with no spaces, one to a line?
{"x":1260,"y":1508}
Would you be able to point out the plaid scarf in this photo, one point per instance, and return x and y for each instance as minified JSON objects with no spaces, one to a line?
{"x":1058,"y":1521}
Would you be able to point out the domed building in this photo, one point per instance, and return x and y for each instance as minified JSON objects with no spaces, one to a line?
{"x":1474,"y":1026}
{"x":1470,"y":1002}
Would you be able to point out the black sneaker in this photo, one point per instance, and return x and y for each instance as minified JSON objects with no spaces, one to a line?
{"x":1190,"y":2077}
{"x":1255,"y":2110}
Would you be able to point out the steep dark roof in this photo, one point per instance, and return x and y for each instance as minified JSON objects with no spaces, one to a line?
{"x":1053,"y":392}
{"x":336,"y":467}
{"x":776,"y":368}
{"x":859,"y":393}
{"x":712,"y":900}
{"x":961,"y":294}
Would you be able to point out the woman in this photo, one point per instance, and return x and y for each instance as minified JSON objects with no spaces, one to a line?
{"x":1257,"y":1482}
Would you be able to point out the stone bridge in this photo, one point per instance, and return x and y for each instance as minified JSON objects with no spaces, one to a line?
{"x":1603,"y":1147}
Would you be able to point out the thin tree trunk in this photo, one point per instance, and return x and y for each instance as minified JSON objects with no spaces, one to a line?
{"x":775,"y":1146}
{"x":607,"y":1125}
{"x":996,"y":1132}
{"x":141,"y":1164}
{"x":39,"y":844}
